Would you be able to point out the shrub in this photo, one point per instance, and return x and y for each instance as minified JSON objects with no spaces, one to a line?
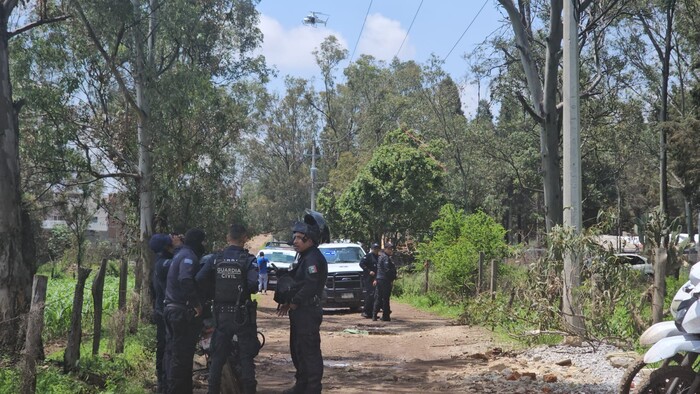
{"x":454,"y":249}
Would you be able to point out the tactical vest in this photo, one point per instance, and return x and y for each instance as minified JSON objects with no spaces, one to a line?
{"x":231,"y":278}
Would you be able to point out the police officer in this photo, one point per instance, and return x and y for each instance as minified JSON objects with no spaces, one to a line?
{"x":182,"y":310}
{"x":163,"y":245}
{"x":369,"y":272}
{"x":386,"y":273}
{"x":233,"y":275}
{"x":304,"y":304}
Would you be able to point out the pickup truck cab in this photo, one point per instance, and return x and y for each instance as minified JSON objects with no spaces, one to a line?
{"x":280,"y":257}
{"x":344,"y":283}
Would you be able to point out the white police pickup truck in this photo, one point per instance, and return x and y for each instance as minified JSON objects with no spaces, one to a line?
{"x":344,"y":284}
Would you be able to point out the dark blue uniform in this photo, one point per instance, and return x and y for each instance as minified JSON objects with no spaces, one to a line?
{"x":310,"y":275}
{"x":386,"y":273}
{"x":182,"y":328}
{"x":368,"y":264}
{"x":232,"y":320}
{"x":160,"y":276}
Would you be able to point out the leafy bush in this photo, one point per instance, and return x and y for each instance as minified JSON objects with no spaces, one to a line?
{"x":454,"y":249}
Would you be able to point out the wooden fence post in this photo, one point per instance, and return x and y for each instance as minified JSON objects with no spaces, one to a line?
{"x":480,"y":275}
{"x":138,"y":280}
{"x":98,"y":285}
{"x":32,"y":342}
{"x":493,"y":279}
{"x":427,"y":276}
{"x":72,"y":353}
{"x":123,"y":275}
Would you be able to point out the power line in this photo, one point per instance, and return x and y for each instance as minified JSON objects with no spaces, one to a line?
{"x":465,"y":30}
{"x":409,"y":28}
{"x":361,"y":29}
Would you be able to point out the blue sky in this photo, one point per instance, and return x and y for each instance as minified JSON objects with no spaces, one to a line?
{"x":288,"y":44}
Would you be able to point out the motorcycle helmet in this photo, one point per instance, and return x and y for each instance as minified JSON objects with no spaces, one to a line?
{"x":314,"y":226}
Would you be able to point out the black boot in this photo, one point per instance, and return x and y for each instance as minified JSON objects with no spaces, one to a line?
{"x":294,"y":390}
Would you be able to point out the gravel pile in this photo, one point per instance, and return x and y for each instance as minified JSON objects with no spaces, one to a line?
{"x":590,"y":370}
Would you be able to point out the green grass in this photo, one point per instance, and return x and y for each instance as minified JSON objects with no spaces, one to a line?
{"x":132,"y":372}
{"x":59,"y":303}
{"x":432,"y":303}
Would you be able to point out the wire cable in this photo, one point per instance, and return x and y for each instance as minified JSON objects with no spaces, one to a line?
{"x":361,"y":30}
{"x":409,"y":28}
{"x":465,"y":30}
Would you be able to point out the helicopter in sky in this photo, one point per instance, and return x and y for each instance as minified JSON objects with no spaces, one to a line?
{"x":315,"y":18}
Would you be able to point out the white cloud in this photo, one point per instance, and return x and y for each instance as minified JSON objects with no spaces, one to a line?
{"x":290,"y":50}
{"x":382,"y":37}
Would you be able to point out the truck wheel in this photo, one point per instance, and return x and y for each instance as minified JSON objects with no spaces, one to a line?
{"x":355,"y":309}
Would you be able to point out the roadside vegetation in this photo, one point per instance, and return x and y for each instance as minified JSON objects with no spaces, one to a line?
{"x":526,"y":304}
{"x":131,"y":371}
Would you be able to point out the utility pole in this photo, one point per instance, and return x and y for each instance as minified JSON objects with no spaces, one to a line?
{"x":572,"y":166}
{"x":313,"y":175}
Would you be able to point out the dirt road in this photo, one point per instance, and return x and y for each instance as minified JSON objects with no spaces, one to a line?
{"x":415,"y":352}
{"x":419,"y":352}
{"x":397,"y":356}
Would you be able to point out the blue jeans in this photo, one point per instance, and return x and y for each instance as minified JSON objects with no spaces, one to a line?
{"x":262,"y":280}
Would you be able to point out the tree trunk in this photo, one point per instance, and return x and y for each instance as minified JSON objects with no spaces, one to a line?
{"x":657,"y":303}
{"x":33,"y":344}
{"x":144,"y":74}
{"x":551,"y":180}
{"x":98,"y":285}
{"x":72,"y":354}
{"x":689,"y":219}
{"x":543,"y":102}
{"x":15,"y":273}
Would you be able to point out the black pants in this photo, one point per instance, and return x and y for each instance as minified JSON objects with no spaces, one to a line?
{"x":369,"y":295}
{"x":160,"y":351}
{"x":381,"y":300}
{"x":221,"y":345}
{"x":182,"y":331}
{"x":305,"y":347}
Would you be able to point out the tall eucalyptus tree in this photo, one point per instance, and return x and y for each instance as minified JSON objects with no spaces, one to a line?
{"x":15,"y":271}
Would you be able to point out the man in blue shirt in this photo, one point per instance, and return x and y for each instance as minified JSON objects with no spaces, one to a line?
{"x":262,"y":268}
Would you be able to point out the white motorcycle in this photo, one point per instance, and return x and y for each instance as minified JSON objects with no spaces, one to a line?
{"x":676,"y":346}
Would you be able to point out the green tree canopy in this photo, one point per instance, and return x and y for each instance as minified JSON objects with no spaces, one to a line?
{"x":397,"y":193}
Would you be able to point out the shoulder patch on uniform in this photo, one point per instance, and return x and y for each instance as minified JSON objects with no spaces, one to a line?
{"x":313,"y":269}
{"x":187,"y":261}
